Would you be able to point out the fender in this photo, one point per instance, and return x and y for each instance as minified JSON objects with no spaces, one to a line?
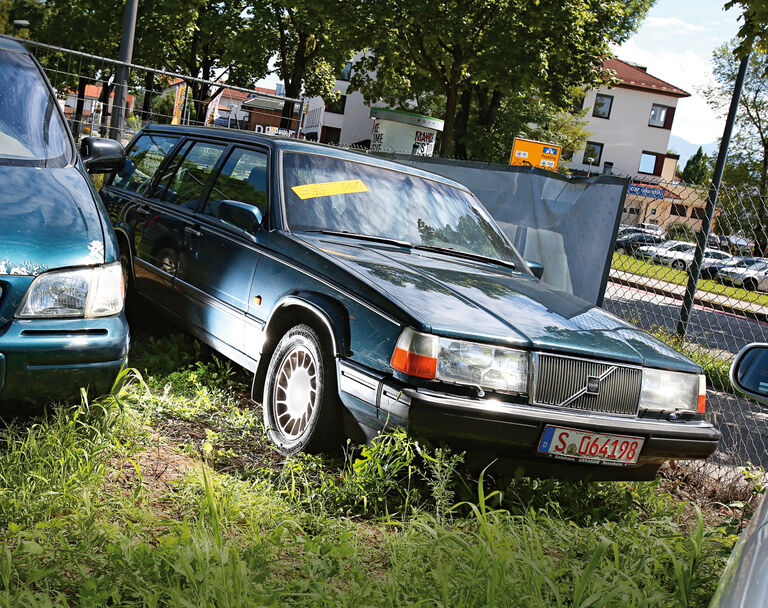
{"x":329,"y":311}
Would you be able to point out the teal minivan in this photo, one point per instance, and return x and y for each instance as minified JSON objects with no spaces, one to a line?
{"x":62,"y":325}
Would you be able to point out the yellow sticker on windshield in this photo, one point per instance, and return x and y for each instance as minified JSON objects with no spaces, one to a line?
{"x":329,"y":188}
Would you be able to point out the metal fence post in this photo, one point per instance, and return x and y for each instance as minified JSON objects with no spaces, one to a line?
{"x":126,"y":54}
{"x":701,"y":235}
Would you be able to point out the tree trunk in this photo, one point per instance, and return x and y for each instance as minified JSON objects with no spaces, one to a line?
{"x":451,"y":101}
{"x":462,"y":123}
{"x":77,"y":117}
{"x":146,"y":107}
{"x":106,"y":89}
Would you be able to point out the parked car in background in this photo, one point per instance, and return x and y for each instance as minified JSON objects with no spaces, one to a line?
{"x":682,"y":260}
{"x":651,"y":252}
{"x":711,"y":270}
{"x":62,"y":325}
{"x":745,"y":580}
{"x":652,"y":228}
{"x":364,"y":294}
{"x":630,"y":243}
{"x":750,"y":273}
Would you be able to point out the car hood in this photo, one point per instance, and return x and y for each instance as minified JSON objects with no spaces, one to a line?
{"x":456,"y":297}
{"x":48,"y":219}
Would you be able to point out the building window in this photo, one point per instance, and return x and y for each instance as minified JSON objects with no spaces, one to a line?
{"x":593,"y":152}
{"x":679,"y":209}
{"x":347,"y":71}
{"x":330,"y":135}
{"x":632,"y":210}
{"x":337,"y":107}
{"x":603,"y":104}
{"x":661,"y":116}
{"x":698,"y":213}
{"x":651,"y":163}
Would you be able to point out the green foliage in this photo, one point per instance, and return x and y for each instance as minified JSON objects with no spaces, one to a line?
{"x":680,"y":231}
{"x":462,"y":51}
{"x":752,"y":34}
{"x":698,"y":169}
{"x":87,"y":521}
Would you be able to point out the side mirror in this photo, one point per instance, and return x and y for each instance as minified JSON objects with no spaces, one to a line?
{"x":102,"y":155}
{"x":240,"y":215}
{"x":536,"y":268}
{"x":749,"y":372}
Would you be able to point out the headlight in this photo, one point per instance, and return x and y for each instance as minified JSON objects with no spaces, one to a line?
{"x":461,"y":362}
{"x":673,"y":391}
{"x":85,"y":292}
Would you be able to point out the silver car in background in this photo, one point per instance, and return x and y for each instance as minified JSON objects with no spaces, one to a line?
{"x":750,"y":274}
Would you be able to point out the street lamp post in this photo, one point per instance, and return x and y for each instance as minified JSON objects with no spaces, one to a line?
{"x":17,"y":23}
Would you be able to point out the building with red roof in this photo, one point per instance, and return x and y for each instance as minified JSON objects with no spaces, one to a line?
{"x":630,"y":118}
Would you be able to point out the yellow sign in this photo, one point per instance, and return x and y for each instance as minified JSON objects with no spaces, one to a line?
{"x":329,"y":189}
{"x":179,"y":103}
{"x":531,"y":153}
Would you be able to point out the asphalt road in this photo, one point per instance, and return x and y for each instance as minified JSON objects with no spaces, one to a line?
{"x":713,"y":329}
{"x":743,"y":423}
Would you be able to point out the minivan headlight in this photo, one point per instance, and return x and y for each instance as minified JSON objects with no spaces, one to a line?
{"x":98,"y":291}
{"x":673,"y":391}
{"x":461,"y":362}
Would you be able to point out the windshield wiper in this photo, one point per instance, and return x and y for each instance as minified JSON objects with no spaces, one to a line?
{"x":367,"y":237}
{"x":467,"y":254}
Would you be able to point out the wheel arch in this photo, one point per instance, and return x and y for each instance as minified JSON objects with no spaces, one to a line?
{"x":325,"y":315}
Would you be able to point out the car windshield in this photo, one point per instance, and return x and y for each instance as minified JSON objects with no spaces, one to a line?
{"x":331,"y":194}
{"x":751,"y":263}
{"x":32,"y":131}
{"x":681,"y":247}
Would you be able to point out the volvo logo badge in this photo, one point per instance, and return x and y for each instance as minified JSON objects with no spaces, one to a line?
{"x":593,"y":385}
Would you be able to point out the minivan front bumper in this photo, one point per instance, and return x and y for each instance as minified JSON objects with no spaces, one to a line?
{"x":47,"y":359}
{"x":489,"y":428}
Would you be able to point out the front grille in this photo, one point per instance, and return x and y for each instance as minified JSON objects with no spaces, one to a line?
{"x":568,"y":382}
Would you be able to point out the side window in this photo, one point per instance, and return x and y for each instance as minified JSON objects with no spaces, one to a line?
{"x":243,"y":178}
{"x":142,"y":161}
{"x":186,"y":177}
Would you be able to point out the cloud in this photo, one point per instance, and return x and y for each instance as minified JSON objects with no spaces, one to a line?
{"x":673,"y":25}
{"x":695,"y":121}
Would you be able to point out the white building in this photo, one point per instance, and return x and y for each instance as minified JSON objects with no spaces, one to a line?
{"x":630,"y":123}
{"x":346,"y":122}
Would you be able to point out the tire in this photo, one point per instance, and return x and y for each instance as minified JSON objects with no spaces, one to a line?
{"x":168,"y":260}
{"x":302,"y":411}
{"x":750,"y":284}
{"x":678,"y":264}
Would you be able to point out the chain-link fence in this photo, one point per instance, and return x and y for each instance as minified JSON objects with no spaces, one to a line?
{"x":653,"y":263}
{"x":86,"y":87}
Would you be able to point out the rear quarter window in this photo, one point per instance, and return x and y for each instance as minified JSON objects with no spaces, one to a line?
{"x":142,"y":161}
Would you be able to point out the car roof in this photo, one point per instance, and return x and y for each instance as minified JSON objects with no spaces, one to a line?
{"x":296,"y":145}
{"x":6,"y":44}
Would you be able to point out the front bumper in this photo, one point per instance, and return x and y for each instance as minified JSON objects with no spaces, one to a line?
{"x":494,"y":429}
{"x":44,"y":360}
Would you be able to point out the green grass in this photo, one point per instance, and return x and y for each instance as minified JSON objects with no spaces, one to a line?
{"x":169,"y":495}
{"x":646,"y":268}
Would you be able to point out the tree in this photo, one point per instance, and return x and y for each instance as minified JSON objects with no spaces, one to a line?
{"x":753,"y":33}
{"x":697,"y":170}
{"x":307,"y":42}
{"x":478,"y":53}
{"x":747,"y":166}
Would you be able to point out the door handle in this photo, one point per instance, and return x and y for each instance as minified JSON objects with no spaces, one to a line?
{"x":191,"y":231}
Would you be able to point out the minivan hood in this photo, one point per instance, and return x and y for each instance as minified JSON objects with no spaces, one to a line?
{"x":48,"y":219}
{"x":476,"y":300}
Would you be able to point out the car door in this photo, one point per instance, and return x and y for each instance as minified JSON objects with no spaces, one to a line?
{"x":125,"y":194}
{"x":167,"y":241}
{"x":217,"y":292}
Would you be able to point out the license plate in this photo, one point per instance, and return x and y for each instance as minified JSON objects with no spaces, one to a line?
{"x":574,"y":444}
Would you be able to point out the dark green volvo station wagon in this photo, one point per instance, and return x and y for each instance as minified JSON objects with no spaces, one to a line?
{"x":62,"y":325}
{"x":362,"y":294}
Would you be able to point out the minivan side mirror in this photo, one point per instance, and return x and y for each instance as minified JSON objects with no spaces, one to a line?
{"x":102,"y":155}
{"x":536,"y":268}
{"x":749,"y":372}
{"x":240,"y":215}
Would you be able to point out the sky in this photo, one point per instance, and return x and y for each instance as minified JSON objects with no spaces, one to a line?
{"x":675,"y":43}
